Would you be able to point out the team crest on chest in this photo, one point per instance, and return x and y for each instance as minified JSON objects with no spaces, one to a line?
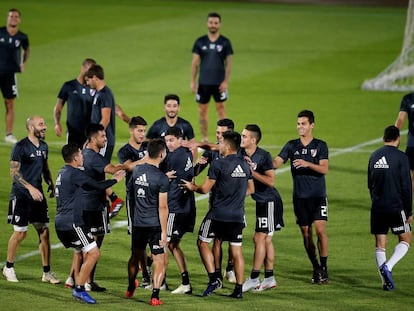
{"x":313,"y":152}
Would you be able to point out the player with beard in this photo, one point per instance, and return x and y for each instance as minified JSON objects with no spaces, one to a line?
{"x":28,"y":163}
{"x":212,"y":59}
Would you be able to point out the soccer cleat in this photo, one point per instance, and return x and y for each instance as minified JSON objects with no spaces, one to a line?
{"x":130,"y":292}
{"x":267,"y":283}
{"x":10,"y":138}
{"x":155,"y":302}
{"x":145,"y":282}
{"x":94,"y":287}
{"x":250,"y":284}
{"x":211,"y":287}
{"x":230,"y":276}
{"x":10,"y":274}
{"x":115,"y":207}
{"x":49,"y":277}
{"x":70,"y":282}
{"x":316,"y":277}
{"x":387,"y":275}
{"x":183,"y":289}
{"x":324,"y":276}
{"x":83,"y":296}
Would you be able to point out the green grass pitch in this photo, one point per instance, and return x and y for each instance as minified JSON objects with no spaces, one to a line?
{"x":287,"y":58}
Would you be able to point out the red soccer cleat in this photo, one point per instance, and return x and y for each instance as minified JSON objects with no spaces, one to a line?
{"x":155,"y":302}
{"x":130,"y":293}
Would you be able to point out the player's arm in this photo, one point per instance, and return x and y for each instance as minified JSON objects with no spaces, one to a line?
{"x":322,"y":167}
{"x":57,"y":113}
{"x":250,"y":187}
{"x":47,"y":176}
{"x":204,"y":188}
{"x":106,"y":116}
{"x":267,"y":178}
{"x":18,"y":179}
{"x":194,"y":70}
{"x":26,"y":53}
{"x":225,"y":84}
{"x":400,"y":119}
{"x":278,"y":162}
{"x":121,"y":114}
{"x":113,"y":168}
{"x":163,"y":215}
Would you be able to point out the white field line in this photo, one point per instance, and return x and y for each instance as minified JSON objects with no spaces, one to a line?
{"x":120,"y":224}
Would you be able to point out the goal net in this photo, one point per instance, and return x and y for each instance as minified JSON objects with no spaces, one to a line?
{"x":399,"y":76}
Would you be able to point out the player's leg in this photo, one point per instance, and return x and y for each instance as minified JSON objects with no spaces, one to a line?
{"x":185,"y":287}
{"x":218,"y":257}
{"x":203,"y":120}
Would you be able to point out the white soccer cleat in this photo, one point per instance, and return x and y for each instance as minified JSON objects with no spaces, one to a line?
{"x":230,"y":276}
{"x":11,"y":139}
{"x":70,"y":282}
{"x":150,"y":287}
{"x":10,"y":274}
{"x":267,"y":283}
{"x":250,"y":284}
{"x":49,"y":277}
{"x":183,"y":289}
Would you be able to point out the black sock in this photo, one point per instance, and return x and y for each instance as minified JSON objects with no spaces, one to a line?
{"x":268,"y":273}
{"x":9,"y":265}
{"x":212,"y":277}
{"x":238,"y":288}
{"x":324,"y":262}
{"x":80,"y":288}
{"x":46,"y":269}
{"x":254,"y":274}
{"x":155,"y":293}
{"x":185,"y":277}
{"x":219,"y":274}
{"x":230,"y":265}
{"x":113,"y":196}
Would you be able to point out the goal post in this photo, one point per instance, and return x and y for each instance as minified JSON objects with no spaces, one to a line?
{"x":399,"y":76}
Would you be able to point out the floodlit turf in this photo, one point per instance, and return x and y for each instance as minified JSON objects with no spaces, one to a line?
{"x":287,"y":58}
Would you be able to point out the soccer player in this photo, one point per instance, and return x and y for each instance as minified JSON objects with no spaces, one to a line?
{"x":407,"y":111}
{"x":78,"y":97}
{"x":181,"y":203}
{"x":309,"y":164}
{"x":70,"y":227}
{"x":207,"y":157}
{"x":28,"y":205}
{"x":131,"y":154}
{"x":232,"y":180}
{"x":95,"y":211}
{"x":269,"y":208}
{"x":150,"y":188}
{"x":12,"y":42}
{"x":389,"y":183}
{"x":103,"y":112}
{"x":212,"y":61}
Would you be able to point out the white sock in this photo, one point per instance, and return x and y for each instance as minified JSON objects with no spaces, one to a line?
{"x":380,"y":257}
{"x":399,"y":252}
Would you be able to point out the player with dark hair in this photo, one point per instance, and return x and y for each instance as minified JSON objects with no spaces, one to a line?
{"x":150,"y":188}
{"x":389,"y":183}
{"x":232,"y":180}
{"x":309,"y":164}
{"x":212,"y":61}
{"x":69,"y":224}
{"x":28,"y":205}
{"x":269,"y":208}
{"x":12,"y":42}
{"x":78,"y":97}
{"x":181,"y":203}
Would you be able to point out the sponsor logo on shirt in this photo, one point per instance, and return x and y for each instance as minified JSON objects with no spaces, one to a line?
{"x":142,"y":180}
{"x":381,"y":163}
{"x":238,"y":172}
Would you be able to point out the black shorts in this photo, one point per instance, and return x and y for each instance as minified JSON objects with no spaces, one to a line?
{"x":204,"y":93}
{"x":228,"y":231}
{"x":310,"y":209}
{"x":396,"y":221}
{"x":8,"y":85}
{"x":206,"y":233}
{"x":77,"y":138}
{"x":97,"y":221}
{"x":24,"y":210}
{"x":269,"y":216}
{"x":178,"y":224}
{"x":409,"y":151}
{"x":80,"y":238}
{"x":143,"y":236}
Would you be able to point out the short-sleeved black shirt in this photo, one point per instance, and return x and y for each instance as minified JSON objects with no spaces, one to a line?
{"x":407,"y":105}
{"x":10,"y":50}
{"x":104,"y":99}
{"x":306,"y":182}
{"x":212,"y":59}
{"x":159,"y":127}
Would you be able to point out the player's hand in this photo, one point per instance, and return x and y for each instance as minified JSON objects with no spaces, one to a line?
{"x":171,"y":175}
{"x":51,"y":189}
{"x":58,"y":130}
{"x":35,"y":194}
{"x":119,"y":175}
{"x":409,"y":220}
